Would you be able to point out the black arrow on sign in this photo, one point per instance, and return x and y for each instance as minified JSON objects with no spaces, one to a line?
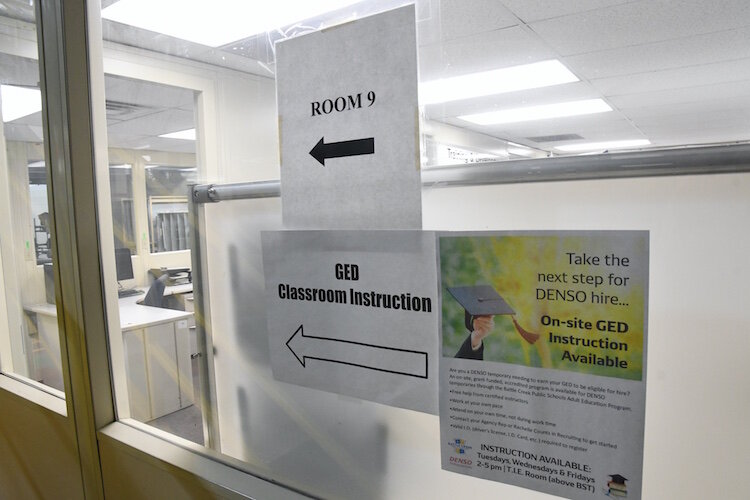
{"x":347,"y":352}
{"x":322,"y":151}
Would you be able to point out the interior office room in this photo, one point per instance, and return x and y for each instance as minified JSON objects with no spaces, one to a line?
{"x":134,"y":350}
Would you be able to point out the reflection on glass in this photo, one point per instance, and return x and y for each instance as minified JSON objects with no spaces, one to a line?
{"x":151,"y":140}
{"x":121,"y":190}
{"x":166,"y":191}
{"x":29,"y":333}
{"x":40,"y":212}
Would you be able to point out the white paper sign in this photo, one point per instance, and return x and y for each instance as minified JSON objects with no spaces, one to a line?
{"x":348,"y":125}
{"x":355,"y":313}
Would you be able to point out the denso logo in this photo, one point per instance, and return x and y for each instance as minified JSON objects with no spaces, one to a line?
{"x":461,"y":461}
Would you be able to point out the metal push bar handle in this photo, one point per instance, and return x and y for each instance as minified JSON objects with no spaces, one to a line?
{"x":682,"y":161}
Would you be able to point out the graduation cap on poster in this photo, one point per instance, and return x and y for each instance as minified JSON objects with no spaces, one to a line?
{"x":618,"y":479}
{"x":483,"y":300}
{"x":617,"y":488}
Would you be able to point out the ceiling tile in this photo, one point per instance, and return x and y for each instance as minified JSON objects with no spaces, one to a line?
{"x":737,"y":119}
{"x":693,"y":76}
{"x":34,"y":119}
{"x":149,"y":143}
{"x":428,"y":22}
{"x":598,"y":127}
{"x":537,"y":10}
{"x":22,"y":132}
{"x":640,"y":22}
{"x":459,"y":18}
{"x":690,"y":51}
{"x":171,"y":120}
{"x":725,"y":107}
{"x":147,"y":94}
{"x":548,"y":95}
{"x":670,"y":137}
{"x":482,"y":52}
{"x":18,"y":71}
{"x":718,"y":95}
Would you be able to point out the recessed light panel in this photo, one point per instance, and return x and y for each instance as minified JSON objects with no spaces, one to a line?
{"x":532,"y":113}
{"x":497,"y":81}
{"x":19,"y":102}
{"x":186,"y":135}
{"x":218,"y":22}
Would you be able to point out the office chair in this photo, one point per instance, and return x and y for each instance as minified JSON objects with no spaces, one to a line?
{"x":155,"y":295}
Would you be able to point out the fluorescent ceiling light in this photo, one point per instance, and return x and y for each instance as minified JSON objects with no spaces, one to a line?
{"x":497,"y":81}
{"x":531,"y":113}
{"x":218,"y":22}
{"x":19,"y":101}
{"x":593,"y":146}
{"x":186,"y":135}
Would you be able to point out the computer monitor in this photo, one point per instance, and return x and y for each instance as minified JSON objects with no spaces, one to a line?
{"x":124,"y":264}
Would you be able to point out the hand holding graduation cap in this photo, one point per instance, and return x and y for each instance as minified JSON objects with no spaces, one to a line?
{"x":482,"y":326}
{"x":481,"y":303}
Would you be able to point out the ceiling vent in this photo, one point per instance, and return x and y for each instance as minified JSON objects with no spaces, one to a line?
{"x":117,"y":109}
{"x":555,"y":138}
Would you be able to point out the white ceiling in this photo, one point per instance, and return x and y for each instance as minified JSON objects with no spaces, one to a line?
{"x":675,"y":72}
{"x":138,"y":112}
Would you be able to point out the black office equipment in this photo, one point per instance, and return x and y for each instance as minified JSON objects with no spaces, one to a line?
{"x":124,"y":266}
{"x":155,"y":295}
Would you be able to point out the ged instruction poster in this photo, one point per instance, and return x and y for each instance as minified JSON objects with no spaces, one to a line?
{"x":543,"y":367}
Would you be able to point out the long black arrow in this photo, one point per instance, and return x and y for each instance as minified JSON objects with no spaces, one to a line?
{"x":323,"y":151}
{"x":347,"y":352}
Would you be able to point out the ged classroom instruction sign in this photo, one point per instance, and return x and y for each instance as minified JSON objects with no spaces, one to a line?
{"x":348,"y":125}
{"x":543,"y":367}
{"x":354,"y":313}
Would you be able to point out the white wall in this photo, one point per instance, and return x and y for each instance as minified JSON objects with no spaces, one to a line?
{"x":698,"y":391}
{"x":698,"y":397}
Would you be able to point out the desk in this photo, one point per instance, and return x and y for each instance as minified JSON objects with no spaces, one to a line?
{"x":157,"y":356}
{"x":156,"y":343}
{"x":43,"y":353}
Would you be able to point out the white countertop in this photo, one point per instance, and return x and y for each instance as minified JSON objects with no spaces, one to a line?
{"x":132,"y":314}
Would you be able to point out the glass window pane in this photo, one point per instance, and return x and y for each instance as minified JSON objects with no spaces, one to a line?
{"x":149,"y":172}
{"x":559,"y":79}
{"x":29,"y":335}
